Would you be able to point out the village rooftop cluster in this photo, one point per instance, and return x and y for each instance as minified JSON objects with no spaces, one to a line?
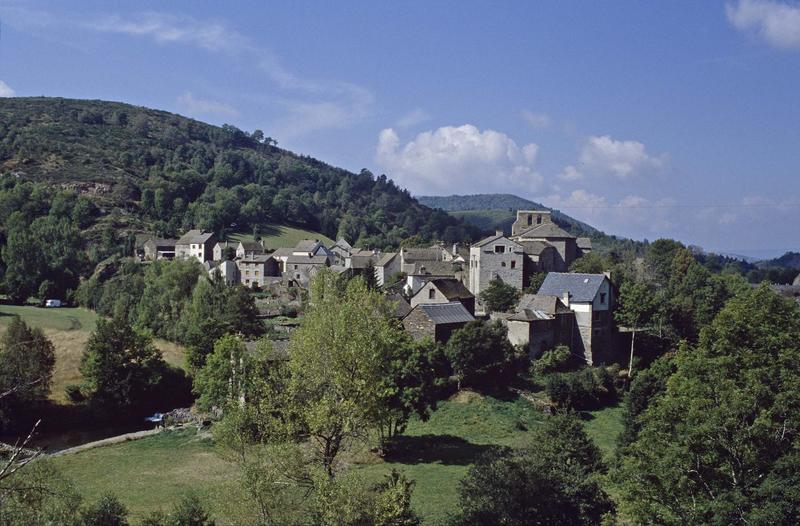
{"x":435,"y":289}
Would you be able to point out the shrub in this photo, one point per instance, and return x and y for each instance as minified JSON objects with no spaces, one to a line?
{"x":589,"y":388}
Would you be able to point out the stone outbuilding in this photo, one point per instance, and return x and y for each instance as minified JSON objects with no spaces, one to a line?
{"x":436,"y":321}
{"x":444,"y":290}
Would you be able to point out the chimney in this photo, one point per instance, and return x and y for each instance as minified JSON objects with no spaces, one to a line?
{"x":455,"y":249}
{"x":607,"y":274}
{"x":565,"y":298}
{"x":498,"y":232}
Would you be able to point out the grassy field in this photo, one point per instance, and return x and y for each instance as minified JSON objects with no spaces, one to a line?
{"x":282,"y":236}
{"x":69,"y":330}
{"x":154,"y":472}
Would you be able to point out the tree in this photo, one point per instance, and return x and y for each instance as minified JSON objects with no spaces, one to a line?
{"x":481,"y":355}
{"x":190,"y":511}
{"x":498,"y":296}
{"x":107,"y":511}
{"x":339,"y":394}
{"x":27,"y":359}
{"x":121,"y":368}
{"x":168,"y":286}
{"x":637,"y":305}
{"x":216,"y":309}
{"x":714,"y":446}
{"x":591,"y":263}
{"x":551,"y":481}
{"x":231,"y":373}
{"x":39,"y":494}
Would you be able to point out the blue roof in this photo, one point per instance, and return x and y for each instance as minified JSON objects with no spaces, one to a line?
{"x":581,"y":287}
{"x":453,"y":312}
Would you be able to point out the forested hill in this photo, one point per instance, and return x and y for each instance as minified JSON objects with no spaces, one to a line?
{"x":488,"y":211}
{"x":151,"y":171}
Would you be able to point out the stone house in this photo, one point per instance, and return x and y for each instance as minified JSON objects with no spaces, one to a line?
{"x":255,"y":270}
{"x":436,"y":321}
{"x":538,"y":225}
{"x":340,"y":250}
{"x":155,"y":248}
{"x":495,"y":256}
{"x":226,"y":270}
{"x":592,"y":298}
{"x":249,"y":248}
{"x":387,"y":266}
{"x":444,"y":290}
{"x":300,"y":269}
{"x":422,"y":272}
{"x":539,"y":323}
{"x":196,"y":244}
{"x":221,"y":247}
{"x":411,"y":256}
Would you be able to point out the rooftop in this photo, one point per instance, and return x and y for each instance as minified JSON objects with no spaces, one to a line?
{"x":452,"y":289}
{"x":581,"y":287}
{"x":443,"y":313}
{"x":196,"y":237}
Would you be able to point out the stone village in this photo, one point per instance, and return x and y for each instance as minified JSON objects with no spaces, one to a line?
{"x":436,"y":289}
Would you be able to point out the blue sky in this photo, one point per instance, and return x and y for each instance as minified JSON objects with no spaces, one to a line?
{"x":676,"y":119}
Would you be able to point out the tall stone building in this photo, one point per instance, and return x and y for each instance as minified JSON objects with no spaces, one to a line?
{"x":495,"y":256}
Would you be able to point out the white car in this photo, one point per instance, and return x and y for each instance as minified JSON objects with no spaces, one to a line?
{"x":52,"y":303}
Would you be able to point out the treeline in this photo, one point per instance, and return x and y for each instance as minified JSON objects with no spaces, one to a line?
{"x":174,"y":300}
{"x":172,"y":173}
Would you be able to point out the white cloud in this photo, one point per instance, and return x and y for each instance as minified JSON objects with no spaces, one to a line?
{"x":412,"y":118}
{"x":167,"y":28}
{"x":622,"y":159}
{"x":777,"y":23}
{"x":196,"y":106}
{"x":570,"y":173}
{"x":537,"y":120}
{"x":6,"y":90}
{"x":459,"y":159}
{"x":310,"y":104}
{"x":632,"y":215}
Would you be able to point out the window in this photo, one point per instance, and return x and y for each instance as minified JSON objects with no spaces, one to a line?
{"x":502,"y":263}
{"x":246,"y":272}
{"x":432,"y":294}
{"x":597,"y":317}
{"x":295,"y":267}
{"x":530,"y":220}
{"x":499,"y":249}
{"x":513,"y":264}
{"x":602,"y":298}
{"x":256,"y":273}
{"x":539,"y":220}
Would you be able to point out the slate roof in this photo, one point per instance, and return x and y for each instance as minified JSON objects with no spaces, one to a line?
{"x":545,"y":230}
{"x":361,"y":262}
{"x":256,"y":258}
{"x":386,"y":258}
{"x":584,"y":243}
{"x":488,"y":240}
{"x":342,"y":244}
{"x":402,"y":308}
{"x":530,"y":315}
{"x":306,"y":245}
{"x":443,"y":313}
{"x":433,"y":268}
{"x":162,"y":243}
{"x":282,"y":252}
{"x":252,"y":246}
{"x":534,"y":248}
{"x":541,"y":302}
{"x":196,"y":237}
{"x":452,"y":289}
{"x":306,"y":260}
{"x":581,"y":287}
{"x":411,"y":255}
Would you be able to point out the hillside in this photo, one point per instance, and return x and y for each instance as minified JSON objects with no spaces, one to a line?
{"x":149,"y":170}
{"x":790,"y":260}
{"x":490,"y":211}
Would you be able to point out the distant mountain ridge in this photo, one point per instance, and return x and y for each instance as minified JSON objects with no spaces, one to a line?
{"x":489,"y":211}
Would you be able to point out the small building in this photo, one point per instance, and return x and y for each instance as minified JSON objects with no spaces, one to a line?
{"x":496,"y":256}
{"x":340,"y":250}
{"x":388,"y":265}
{"x":221,"y":248}
{"x":299,"y":269}
{"x":444,"y":290}
{"x":226,"y":270}
{"x":255,"y":270}
{"x":249,"y":248}
{"x":401,"y":306}
{"x":436,"y":321}
{"x":281,"y":255}
{"x":423,"y":271}
{"x":197,"y":244}
{"x":539,"y":324}
{"x":411,"y":256}
{"x":155,"y":248}
{"x":591,"y":297}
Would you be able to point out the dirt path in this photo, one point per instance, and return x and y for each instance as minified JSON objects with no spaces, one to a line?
{"x":108,"y":441}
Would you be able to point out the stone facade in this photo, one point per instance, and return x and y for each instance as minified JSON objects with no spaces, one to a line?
{"x":495,"y":256}
{"x":196,"y":244}
{"x":441,"y":290}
